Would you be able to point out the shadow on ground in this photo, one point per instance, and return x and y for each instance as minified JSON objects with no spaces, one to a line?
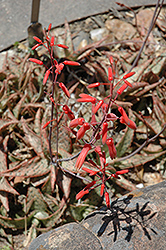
{"x":120,"y":213}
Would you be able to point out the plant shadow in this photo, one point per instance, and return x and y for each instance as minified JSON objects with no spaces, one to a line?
{"x":125,"y":218}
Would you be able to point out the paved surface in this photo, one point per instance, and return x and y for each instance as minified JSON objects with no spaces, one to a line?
{"x":15,"y":14}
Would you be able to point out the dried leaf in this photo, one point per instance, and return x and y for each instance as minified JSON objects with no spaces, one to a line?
{"x":4,"y":200}
{"x":5,"y":123}
{"x":3,"y":161}
{"x":29,"y":168}
{"x":68,"y":40}
{"x":19,"y":223}
{"x":16,"y":110}
{"x":33,"y":138}
{"x":53,"y":218}
{"x":138,"y":160}
{"x":39,"y":203}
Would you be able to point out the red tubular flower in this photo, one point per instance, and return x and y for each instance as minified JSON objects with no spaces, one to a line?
{"x":52,"y":99}
{"x":107,"y":199}
{"x":59,"y":68}
{"x":68,"y":112}
{"x":128,"y":83}
{"x":72,"y":63}
{"x":111,"y":60}
{"x":82,"y":156}
{"x":97,"y":136}
{"x":101,"y":154}
{"x":75,"y":122}
{"x":85,"y":190}
{"x":130,"y":123}
{"x":37,"y":39}
{"x":82,"y":130}
{"x":90,"y":171}
{"x":128,"y":75}
{"x":90,"y":185}
{"x":111,"y":148}
{"x":125,"y":117}
{"x":104,"y":106}
{"x":49,"y":26}
{"x":115,"y":176}
{"x":102,"y":189}
{"x":55,"y":61}
{"x":110,"y":74}
{"x":36,"y":46}
{"x":46,"y":76}
{"x":93,"y":85}
{"x":70,"y":115}
{"x":47,"y":123}
{"x":87,"y":98}
{"x":65,"y":90}
{"x":62,"y":46}
{"x":98,"y":150}
{"x":111,"y":117}
{"x":81,"y":194}
{"x":104,"y":132}
{"x":36,"y":61}
{"x":93,"y":120}
{"x":124,"y":171}
{"x":122,"y":88}
{"x":100,"y":103}
{"x":93,"y":163}
{"x":65,"y":108}
{"x":52,"y":41}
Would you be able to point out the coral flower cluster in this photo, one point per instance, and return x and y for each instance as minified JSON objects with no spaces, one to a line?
{"x":100,"y":130}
